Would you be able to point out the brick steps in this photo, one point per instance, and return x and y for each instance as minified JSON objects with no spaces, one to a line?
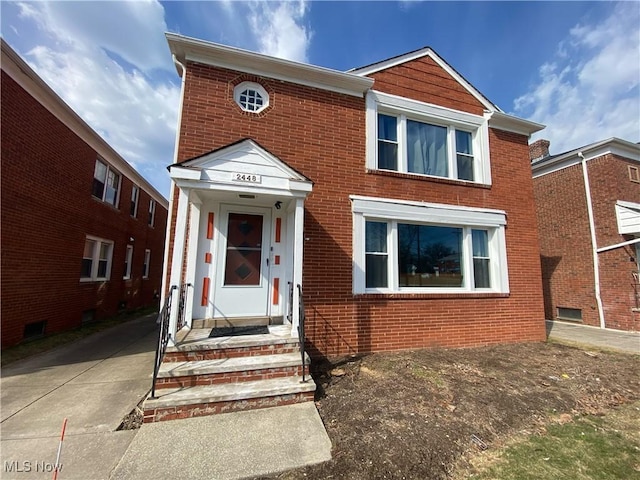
{"x":229,"y":370}
{"x":205,"y":376}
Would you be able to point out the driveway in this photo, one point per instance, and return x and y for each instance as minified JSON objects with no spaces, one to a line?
{"x":93,"y":383}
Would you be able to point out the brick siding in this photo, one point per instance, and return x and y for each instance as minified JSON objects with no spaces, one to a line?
{"x":565,"y":240}
{"x":322,"y":135}
{"x":47,"y":210}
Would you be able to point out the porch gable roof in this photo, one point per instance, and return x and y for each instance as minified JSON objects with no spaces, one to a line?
{"x":242,"y":162}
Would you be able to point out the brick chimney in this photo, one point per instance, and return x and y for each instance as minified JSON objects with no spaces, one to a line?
{"x":539,"y":149}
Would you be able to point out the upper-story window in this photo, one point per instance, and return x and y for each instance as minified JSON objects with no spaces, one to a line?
{"x":152,"y":212}
{"x":135,"y":195}
{"x":413,"y":137}
{"x":106,"y":183}
{"x":251,"y":97}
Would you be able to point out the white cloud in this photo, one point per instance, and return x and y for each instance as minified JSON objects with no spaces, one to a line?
{"x":125,"y":103}
{"x":590,"y":90}
{"x":279,"y":29}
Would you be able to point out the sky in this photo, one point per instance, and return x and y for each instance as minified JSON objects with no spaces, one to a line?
{"x":572,"y":66}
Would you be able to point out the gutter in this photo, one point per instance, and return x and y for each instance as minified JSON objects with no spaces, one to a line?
{"x":594,"y":245}
{"x":167,"y":238}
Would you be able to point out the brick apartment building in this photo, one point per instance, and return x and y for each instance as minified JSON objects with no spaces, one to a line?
{"x":82,"y":232}
{"x":588,"y":209}
{"x":407,"y":189}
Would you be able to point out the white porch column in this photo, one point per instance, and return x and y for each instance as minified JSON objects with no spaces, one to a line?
{"x":298,"y":247}
{"x":192,"y":253}
{"x":179,"y":238}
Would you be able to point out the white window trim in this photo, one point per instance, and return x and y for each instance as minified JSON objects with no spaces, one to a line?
{"x":400,"y":211}
{"x":146,"y":265}
{"x":152,"y":212}
{"x":135,"y":188}
{"x":128,"y":259}
{"x":104,"y":191}
{"x":407,"y":109}
{"x":238,"y":89}
{"x":96,"y":259}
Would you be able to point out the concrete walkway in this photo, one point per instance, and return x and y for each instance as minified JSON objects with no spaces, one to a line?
{"x":628,"y":342}
{"x":96,"y":381}
{"x":93,"y":383}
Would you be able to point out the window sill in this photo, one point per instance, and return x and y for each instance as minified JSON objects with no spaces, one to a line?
{"x":93,"y":280}
{"x":429,"y":296}
{"x":102,"y":202}
{"x":415,"y":176}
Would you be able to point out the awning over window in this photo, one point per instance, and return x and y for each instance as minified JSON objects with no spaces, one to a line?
{"x":628,"y":215}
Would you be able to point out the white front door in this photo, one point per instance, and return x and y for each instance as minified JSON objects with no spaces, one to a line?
{"x":242,"y":279}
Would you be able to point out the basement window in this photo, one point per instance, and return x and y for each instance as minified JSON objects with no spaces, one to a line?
{"x":34,"y":330}
{"x":573,"y":314}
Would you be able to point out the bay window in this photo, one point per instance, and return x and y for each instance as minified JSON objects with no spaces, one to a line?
{"x":416,"y":247}
{"x":408,"y":136}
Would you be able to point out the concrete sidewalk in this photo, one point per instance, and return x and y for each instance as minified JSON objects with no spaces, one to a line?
{"x":96,"y":381}
{"x":93,"y":383}
{"x":628,"y":342}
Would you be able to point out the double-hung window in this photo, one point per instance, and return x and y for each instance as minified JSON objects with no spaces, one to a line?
{"x":96,"y":259}
{"x":128,"y":257}
{"x":106,"y":183}
{"x":146,"y":264}
{"x":135,"y":195}
{"x":415,"y":247}
{"x":413,"y":137}
{"x":152,"y":212}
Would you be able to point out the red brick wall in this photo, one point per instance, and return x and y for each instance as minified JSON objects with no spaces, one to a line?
{"x":565,"y":240}
{"x":321,"y":134}
{"x":47,"y":209}
{"x":609,"y":180}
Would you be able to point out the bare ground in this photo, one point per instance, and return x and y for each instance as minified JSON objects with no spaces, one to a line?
{"x":426,"y":414}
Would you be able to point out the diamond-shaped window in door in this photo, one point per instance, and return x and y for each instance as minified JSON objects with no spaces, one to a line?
{"x":243,"y":271}
{"x":245,"y":228}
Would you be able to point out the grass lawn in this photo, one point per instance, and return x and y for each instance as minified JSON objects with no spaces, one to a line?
{"x":588,"y":448}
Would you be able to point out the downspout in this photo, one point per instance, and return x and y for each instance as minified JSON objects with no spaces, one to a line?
{"x":594,"y":245}
{"x":167,"y":238}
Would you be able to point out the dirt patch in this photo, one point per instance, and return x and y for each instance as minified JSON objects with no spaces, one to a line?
{"x":425,"y":414}
{"x":134,"y":419}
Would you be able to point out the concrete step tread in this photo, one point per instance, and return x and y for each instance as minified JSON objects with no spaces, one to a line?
{"x":171,"y":397}
{"x":223,"y":365}
{"x":198,"y":339}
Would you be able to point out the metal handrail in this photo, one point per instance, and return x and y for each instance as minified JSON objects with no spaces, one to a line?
{"x":182,"y":298}
{"x":301,"y":318}
{"x":163,"y":337}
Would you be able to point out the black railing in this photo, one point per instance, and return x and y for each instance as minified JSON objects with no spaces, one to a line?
{"x":163,"y":337}
{"x":301,"y":319}
{"x":290,"y":312}
{"x":182,"y":298}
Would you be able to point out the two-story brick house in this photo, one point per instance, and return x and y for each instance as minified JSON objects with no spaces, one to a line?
{"x":392,"y":204}
{"x":588,"y":208}
{"x":82,"y":231}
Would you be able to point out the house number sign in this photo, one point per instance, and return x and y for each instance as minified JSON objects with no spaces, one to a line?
{"x":247,"y":177}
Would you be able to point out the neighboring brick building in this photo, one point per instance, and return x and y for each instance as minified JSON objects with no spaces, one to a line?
{"x":408,"y":190}
{"x":588,"y":208}
{"x":82,"y":232}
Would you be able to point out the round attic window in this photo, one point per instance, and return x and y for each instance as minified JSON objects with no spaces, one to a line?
{"x":251,"y":97}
